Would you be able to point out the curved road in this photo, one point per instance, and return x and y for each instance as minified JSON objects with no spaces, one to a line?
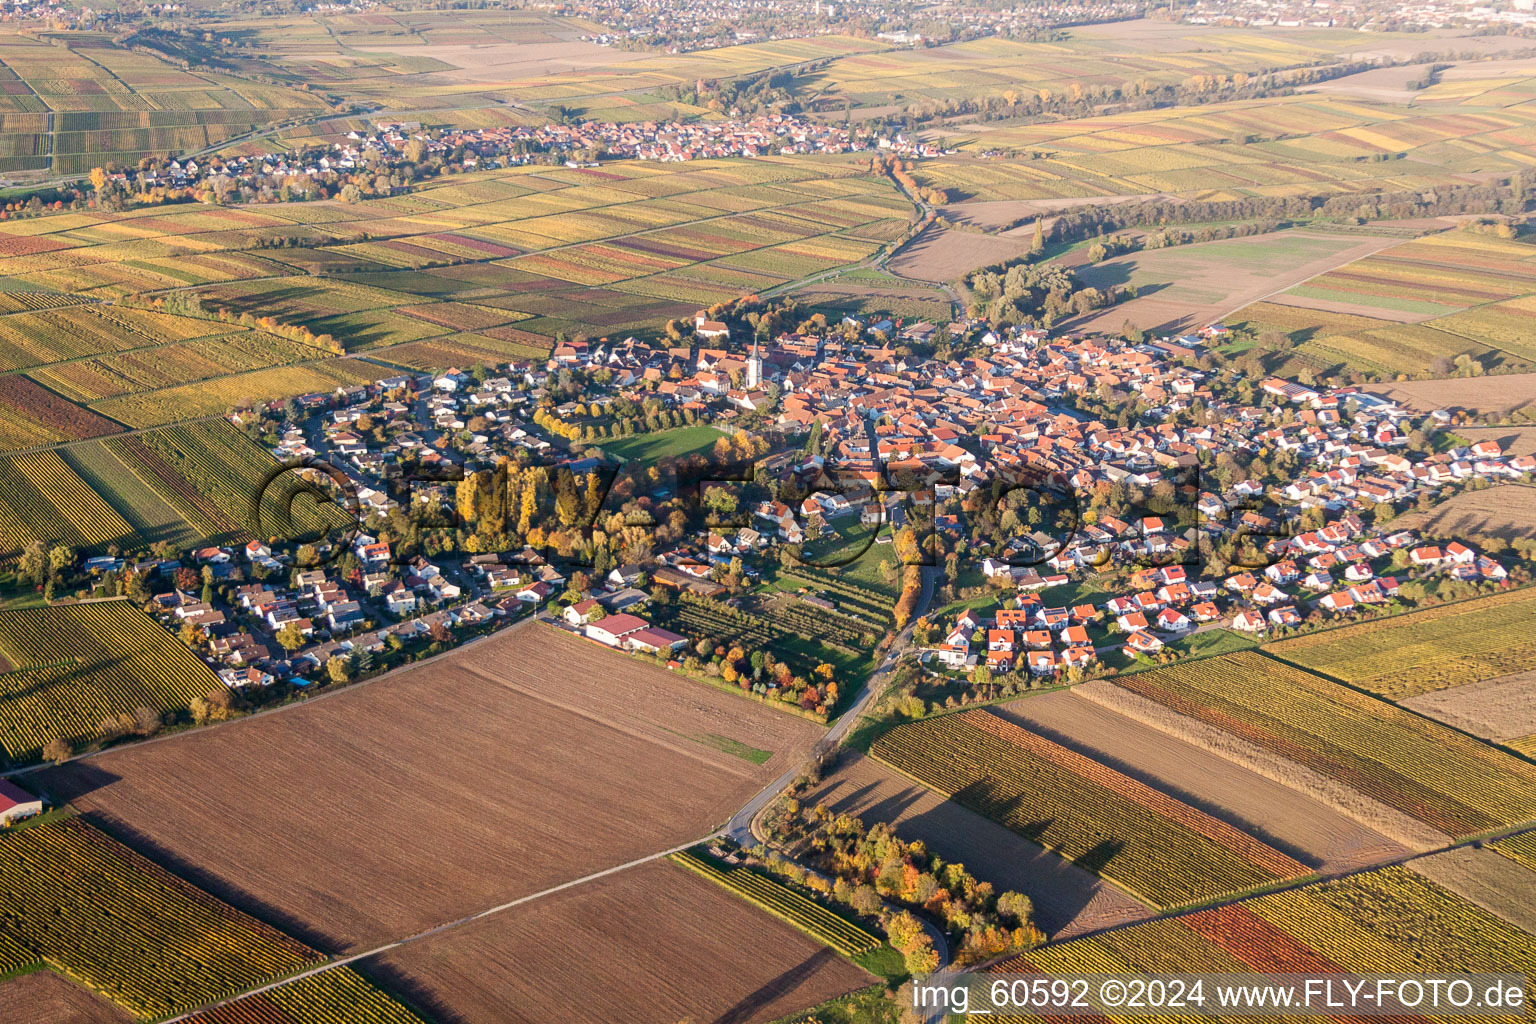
{"x":739,"y":828}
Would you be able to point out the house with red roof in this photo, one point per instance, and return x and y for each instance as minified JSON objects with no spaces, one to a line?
{"x":613,"y":629}
{"x":16,"y":803}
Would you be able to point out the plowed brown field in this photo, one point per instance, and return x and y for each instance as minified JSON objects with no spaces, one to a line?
{"x":48,"y":998}
{"x":652,"y":945}
{"x":497,"y":771}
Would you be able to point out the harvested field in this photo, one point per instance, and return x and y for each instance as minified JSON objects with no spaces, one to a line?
{"x":1068,"y":900}
{"x":1384,"y":85}
{"x":1476,"y":394}
{"x":503,"y":769}
{"x":648,"y":946}
{"x":44,"y":997}
{"x":1507,"y":512}
{"x":945,"y":255}
{"x":1513,"y":440}
{"x":1282,"y":817}
{"x":1491,"y":880}
{"x":1192,"y":285}
{"x":1496,"y":709}
{"x":995,"y":213}
{"x":1374,"y":814}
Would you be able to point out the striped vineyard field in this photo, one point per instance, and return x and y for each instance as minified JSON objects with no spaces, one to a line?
{"x":71,"y":667}
{"x":207,"y":519}
{"x":1164,"y":851}
{"x":233,"y":470}
{"x":783,"y":902}
{"x":125,"y":486}
{"x":1387,"y":921}
{"x":1429,"y":650}
{"x":1441,"y":777}
{"x":339,"y":996}
{"x":1521,"y":849}
{"x":150,"y":942}
{"x":41,"y":498}
{"x":14,"y":956}
{"x":217,"y":479}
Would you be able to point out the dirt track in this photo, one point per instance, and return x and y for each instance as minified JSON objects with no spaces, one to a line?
{"x":518,"y":764}
{"x":655,"y":945}
{"x":1290,"y":821}
{"x":1068,"y":900}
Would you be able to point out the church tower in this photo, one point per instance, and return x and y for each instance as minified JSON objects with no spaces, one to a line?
{"x":754,"y":367}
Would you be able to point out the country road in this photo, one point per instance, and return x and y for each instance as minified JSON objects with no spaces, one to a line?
{"x":739,"y":828}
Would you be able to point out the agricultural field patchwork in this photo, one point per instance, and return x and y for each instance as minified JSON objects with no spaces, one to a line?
{"x":69,"y":668}
{"x":1005,"y":69}
{"x":596,"y":729}
{"x":1163,"y":851}
{"x":470,"y":269}
{"x":1411,"y":308}
{"x":1450,"y":782}
{"x":1272,"y":146}
{"x":80,"y":102}
{"x":191,"y":484}
{"x":1402,"y":656}
{"x":1387,"y":921}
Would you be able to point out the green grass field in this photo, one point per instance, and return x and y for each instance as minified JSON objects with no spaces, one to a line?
{"x":663,"y":443}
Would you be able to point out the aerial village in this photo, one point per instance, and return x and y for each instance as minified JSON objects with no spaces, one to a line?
{"x":392,"y":145}
{"x":1169,"y":471}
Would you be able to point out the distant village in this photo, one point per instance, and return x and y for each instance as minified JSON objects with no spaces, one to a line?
{"x":318,"y":171}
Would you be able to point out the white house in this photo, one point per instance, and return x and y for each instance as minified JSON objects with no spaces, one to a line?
{"x":16,"y":803}
{"x":613,"y":629}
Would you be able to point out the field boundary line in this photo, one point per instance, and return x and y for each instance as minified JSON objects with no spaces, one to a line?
{"x":308,"y":701}
{"x":448,"y":926}
{"x":581,"y":712}
{"x":1388,"y":244}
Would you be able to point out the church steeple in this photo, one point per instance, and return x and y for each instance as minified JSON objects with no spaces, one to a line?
{"x":754,"y":367}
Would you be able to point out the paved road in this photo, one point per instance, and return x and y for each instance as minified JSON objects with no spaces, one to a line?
{"x":739,"y":828}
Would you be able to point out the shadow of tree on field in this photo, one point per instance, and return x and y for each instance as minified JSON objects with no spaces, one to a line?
{"x":787,"y":981}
